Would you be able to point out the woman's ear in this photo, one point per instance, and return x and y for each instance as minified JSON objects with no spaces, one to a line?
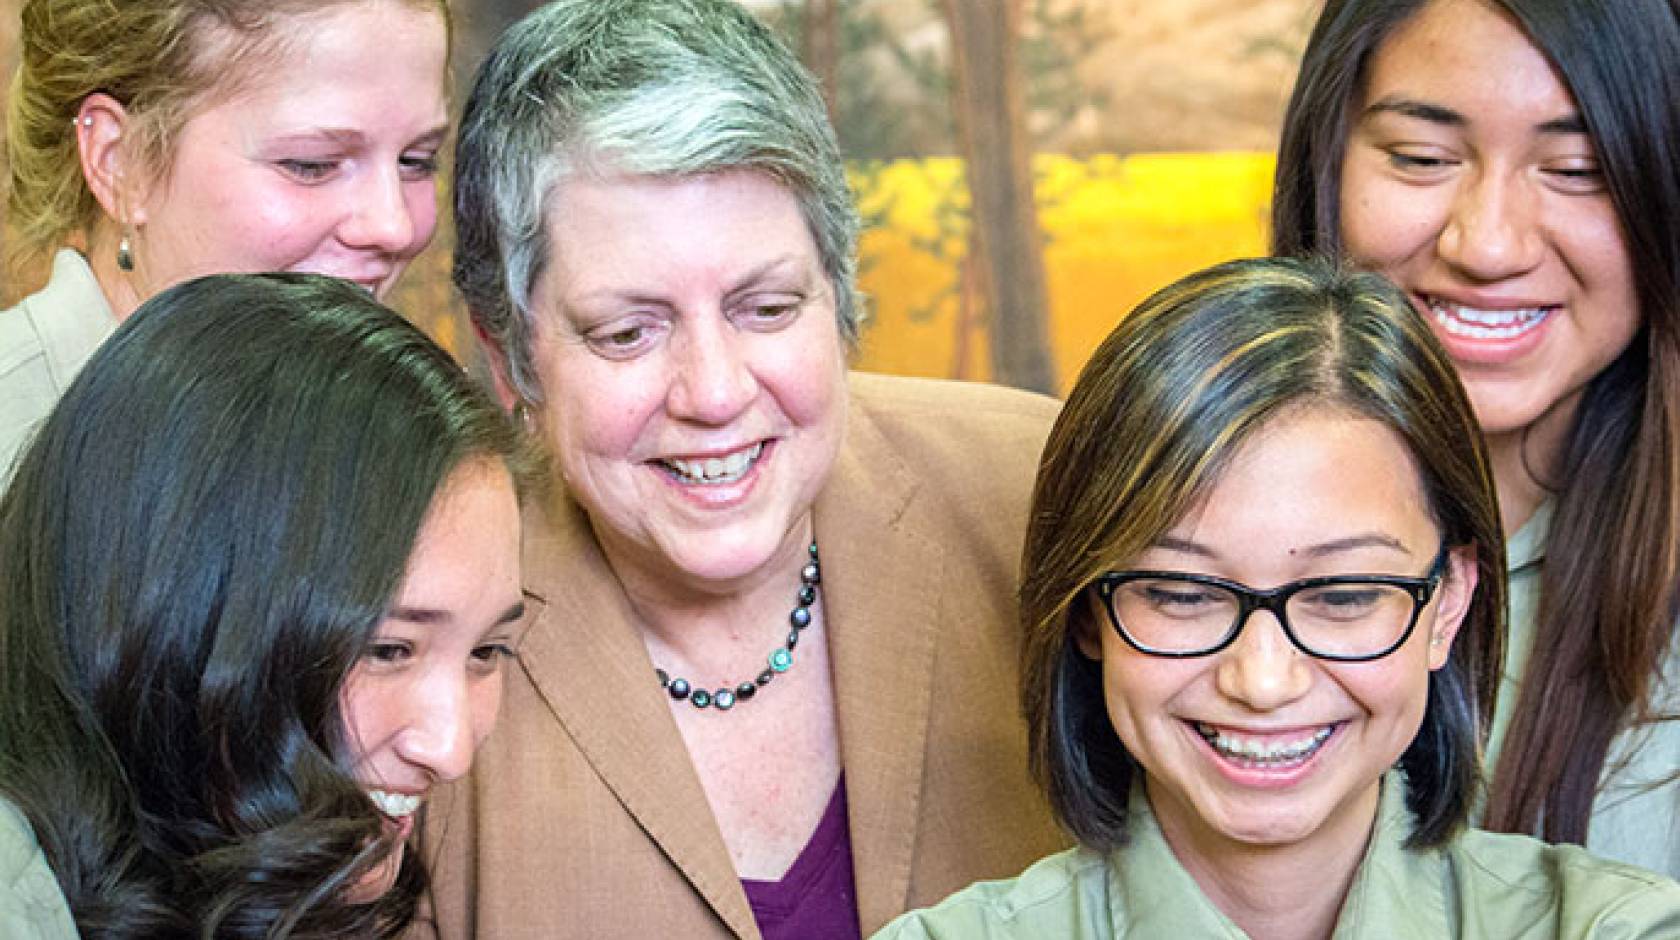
{"x":1452,"y":602}
{"x":500,"y":379}
{"x":1084,"y":620}
{"x":102,"y":125}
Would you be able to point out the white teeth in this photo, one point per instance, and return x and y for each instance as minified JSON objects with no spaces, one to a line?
{"x":1474,"y":323}
{"x":715,"y":469}
{"x":1256,"y":752}
{"x":394,"y":805}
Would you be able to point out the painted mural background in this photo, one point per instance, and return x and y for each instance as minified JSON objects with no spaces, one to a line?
{"x":1143,"y":129}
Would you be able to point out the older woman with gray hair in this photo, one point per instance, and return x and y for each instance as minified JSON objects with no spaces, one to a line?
{"x":770,"y":693}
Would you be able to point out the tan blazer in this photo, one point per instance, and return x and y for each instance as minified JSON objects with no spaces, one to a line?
{"x":583,"y":816}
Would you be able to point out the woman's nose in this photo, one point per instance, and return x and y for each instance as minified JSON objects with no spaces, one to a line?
{"x":1493,"y":231}
{"x":1263,"y":670}
{"x":381,"y":219}
{"x":714,"y":382}
{"x":441,"y":732}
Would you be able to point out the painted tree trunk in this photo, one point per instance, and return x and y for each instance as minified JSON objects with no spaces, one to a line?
{"x":990,"y":107}
{"x":822,"y":50}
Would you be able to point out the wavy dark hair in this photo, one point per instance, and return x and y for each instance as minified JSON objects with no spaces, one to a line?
{"x":1610,"y":587}
{"x":1158,"y":412}
{"x":194,"y":551}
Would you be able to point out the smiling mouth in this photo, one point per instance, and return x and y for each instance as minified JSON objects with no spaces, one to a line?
{"x":1476,"y":323}
{"x":1265,"y":755}
{"x":395,"y":805}
{"x":713,"y":471}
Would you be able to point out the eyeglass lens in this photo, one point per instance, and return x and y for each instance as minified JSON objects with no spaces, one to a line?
{"x":1342,"y":619}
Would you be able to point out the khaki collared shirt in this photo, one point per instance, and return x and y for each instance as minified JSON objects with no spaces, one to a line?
{"x":1480,"y":885}
{"x":43,"y":343}
{"x":1636,"y":815}
{"x":31,"y":905}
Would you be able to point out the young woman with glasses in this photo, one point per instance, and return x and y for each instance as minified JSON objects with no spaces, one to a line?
{"x":1263,"y":604}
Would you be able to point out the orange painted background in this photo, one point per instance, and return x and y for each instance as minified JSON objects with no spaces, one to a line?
{"x":1154,"y":124}
{"x":1153,"y":121}
{"x":1116,"y":229}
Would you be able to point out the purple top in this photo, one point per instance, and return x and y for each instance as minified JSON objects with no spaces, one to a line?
{"x":816,"y":897}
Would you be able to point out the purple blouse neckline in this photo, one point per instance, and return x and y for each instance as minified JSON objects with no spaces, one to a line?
{"x":816,"y":897}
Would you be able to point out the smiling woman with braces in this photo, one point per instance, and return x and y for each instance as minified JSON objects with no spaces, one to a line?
{"x":1295,"y":759}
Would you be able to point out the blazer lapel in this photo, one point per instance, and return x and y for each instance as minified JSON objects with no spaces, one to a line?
{"x":881,"y":571}
{"x":586,"y":660}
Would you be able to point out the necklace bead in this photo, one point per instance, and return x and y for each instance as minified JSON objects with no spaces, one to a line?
{"x":780,"y":659}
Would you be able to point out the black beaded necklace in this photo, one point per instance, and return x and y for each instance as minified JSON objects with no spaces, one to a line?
{"x":780,"y":659}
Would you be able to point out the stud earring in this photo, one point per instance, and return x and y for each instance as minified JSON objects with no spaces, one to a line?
{"x":125,"y":254}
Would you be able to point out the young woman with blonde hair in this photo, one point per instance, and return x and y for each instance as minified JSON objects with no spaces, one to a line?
{"x":151,"y":141}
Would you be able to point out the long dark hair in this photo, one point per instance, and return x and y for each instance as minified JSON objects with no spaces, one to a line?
{"x":1608,"y":597}
{"x":194,"y":552}
{"x":1159,"y":410}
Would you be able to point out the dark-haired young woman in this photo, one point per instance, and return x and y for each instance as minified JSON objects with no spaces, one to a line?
{"x":1262,"y":601}
{"x":1511,"y":165}
{"x":259,"y":572}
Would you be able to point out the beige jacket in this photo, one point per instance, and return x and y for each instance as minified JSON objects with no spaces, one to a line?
{"x":583,"y":816}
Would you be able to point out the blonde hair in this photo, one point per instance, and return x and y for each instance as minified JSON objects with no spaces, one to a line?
{"x":161,"y":59}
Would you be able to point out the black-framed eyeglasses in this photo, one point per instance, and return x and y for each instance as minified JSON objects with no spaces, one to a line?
{"x":1343,"y":618}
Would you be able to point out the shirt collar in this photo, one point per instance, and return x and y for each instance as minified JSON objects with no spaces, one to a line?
{"x":74,"y":316}
{"x":1396,"y":892}
{"x":1527,"y":546}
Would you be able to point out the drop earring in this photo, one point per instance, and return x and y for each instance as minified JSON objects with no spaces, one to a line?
{"x":125,"y":254}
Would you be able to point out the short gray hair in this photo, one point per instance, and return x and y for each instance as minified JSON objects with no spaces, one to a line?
{"x":647,"y":87}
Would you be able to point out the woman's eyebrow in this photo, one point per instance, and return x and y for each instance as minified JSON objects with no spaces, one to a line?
{"x":1349,"y":543}
{"x":1568,"y":124}
{"x":1173,"y":543}
{"x":1421,"y":110}
{"x":341,"y":136}
{"x":433,"y":615}
{"x":1571,"y":123}
{"x":1352,"y":542}
{"x":420,"y":615}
